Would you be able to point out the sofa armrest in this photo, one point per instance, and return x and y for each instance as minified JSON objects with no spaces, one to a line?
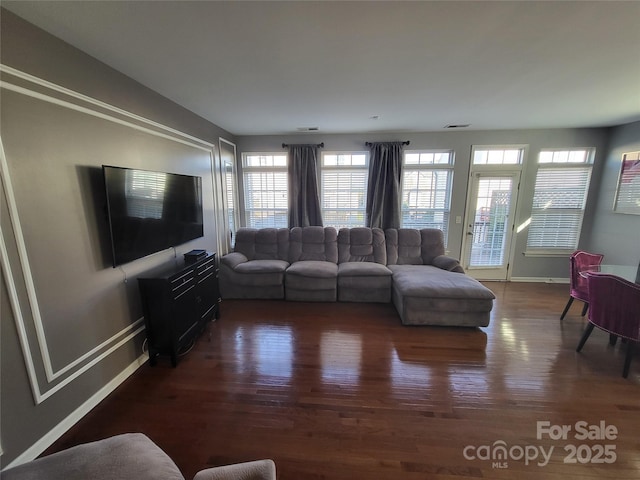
{"x":448,"y":263}
{"x":257,"y":470}
{"x":126,"y":456}
{"x":232,"y":260}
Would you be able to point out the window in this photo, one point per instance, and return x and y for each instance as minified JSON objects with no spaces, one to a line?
{"x":426,"y":190}
{"x":497,"y":156}
{"x":344,"y":189}
{"x":265,"y":190}
{"x":627,"y":198}
{"x":230,"y":192}
{"x":559,"y":198}
{"x":227,"y":234}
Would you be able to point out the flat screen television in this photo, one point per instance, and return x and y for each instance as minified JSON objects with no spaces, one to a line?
{"x":150,"y":211}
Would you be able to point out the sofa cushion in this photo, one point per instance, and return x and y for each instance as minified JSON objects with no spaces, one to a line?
{"x":311,"y":281}
{"x":255,"y":273}
{"x":432,"y":282}
{"x":313,"y":269}
{"x":313,"y":243}
{"x":408,"y":246}
{"x":263,"y":243}
{"x":448,"y":263}
{"x":232,"y":260}
{"x":309,"y":276}
{"x":361,"y":244}
{"x":231,"y":278}
{"x":431,"y":244}
{"x":127,"y":456}
{"x":368,"y":269}
{"x":262,"y":266}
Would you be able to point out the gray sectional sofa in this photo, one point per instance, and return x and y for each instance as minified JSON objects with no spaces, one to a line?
{"x":318,"y":264}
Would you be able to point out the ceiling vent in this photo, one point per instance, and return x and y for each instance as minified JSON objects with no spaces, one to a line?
{"x":307,"y":129}
{"x":459,"y":125}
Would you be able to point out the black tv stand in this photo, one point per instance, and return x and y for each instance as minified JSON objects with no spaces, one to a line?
{"x":177,"y":305}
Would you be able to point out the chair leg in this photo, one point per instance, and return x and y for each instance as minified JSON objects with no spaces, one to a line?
{"x":585,"y":308}
{"x":613,"y":339}
{"x":627,"y":359}
{"x":585,"y":335}
{"x":566,"y":309}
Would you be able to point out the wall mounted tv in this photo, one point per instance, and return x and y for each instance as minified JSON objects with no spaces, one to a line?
{"x":150,"y":211}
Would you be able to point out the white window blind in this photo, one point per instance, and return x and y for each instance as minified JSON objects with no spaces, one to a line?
{"x":426,"y":190}
{"x":265,"y":190}
{"x":344,"y":189}
{"x":559,"y":199}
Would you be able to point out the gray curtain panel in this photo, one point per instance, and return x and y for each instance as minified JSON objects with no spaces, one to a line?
{"x":304,"y":201}
{"x":384,"y":189}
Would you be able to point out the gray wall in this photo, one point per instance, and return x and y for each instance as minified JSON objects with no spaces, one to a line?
{"x":616,"y":235}
{"x":461,"y":143}
{"x":52,"y":207}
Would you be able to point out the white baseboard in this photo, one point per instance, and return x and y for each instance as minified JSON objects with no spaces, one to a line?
{"x":540,"y":280}
{"x":54,"y":434}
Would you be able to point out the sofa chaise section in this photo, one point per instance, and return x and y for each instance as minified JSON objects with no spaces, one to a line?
{"x":313,"y":271}
{"x":428,"y":295}
{"x":430,"y":288}
{"x":256,"y":268}
{"x":362,"y":272}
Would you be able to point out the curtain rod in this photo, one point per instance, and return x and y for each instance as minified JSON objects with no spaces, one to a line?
{"x":369,"y":144}
{"x":319,"y":145}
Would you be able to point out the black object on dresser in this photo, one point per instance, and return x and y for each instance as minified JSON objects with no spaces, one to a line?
{"x":177,"y":304}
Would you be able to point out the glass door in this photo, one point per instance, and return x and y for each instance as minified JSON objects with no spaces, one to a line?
{"x":489,"y":224}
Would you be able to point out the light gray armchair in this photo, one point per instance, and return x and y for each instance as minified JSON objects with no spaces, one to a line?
{"x":127,"y":456}
{"x":257,"y":470}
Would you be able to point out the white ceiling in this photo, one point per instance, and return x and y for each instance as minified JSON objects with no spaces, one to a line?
{"x":272,"y":67}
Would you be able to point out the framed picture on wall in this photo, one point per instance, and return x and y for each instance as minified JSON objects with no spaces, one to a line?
{"x":627,"y":198}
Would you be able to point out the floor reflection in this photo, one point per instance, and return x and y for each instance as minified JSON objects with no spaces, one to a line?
{"x":408,"y":375}
{"x":444,"y":379}
{"x":531,"y":358}
{"x":340,"y":357}
{"x":266,"y":350}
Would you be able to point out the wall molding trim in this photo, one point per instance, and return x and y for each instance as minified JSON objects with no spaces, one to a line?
{"x":47,"y":440}
{"x":17,"y":313}
{"x":51,"y":375}
{"x":38,"y":395}
{"x":33,"y":87}
{"x":197,"y":142}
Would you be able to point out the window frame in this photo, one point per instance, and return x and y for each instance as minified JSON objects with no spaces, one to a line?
{"x":587,"y":165}
{"x":448,"y":167}
{"x":628,"y":185}
{"x":348,"y":169}
{"x":247,"y":170}
{"x":519,"y":149}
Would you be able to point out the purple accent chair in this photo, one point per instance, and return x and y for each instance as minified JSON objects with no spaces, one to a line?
{"x":614,"y":308}
{"x":578,"y":261}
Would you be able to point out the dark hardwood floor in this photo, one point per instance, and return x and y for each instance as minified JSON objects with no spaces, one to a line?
{"x":344,"y":391}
